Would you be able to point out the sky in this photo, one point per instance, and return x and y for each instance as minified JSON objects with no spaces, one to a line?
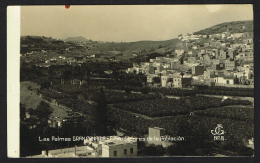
{"x":127,"y":23}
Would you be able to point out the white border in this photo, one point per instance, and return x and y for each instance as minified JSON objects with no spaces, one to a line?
{"x":13,"y":78}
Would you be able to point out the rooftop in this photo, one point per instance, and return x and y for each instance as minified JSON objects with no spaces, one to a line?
{"x":67,"y":152}
{"x":81,"y":149}
{"x":229,"y":77}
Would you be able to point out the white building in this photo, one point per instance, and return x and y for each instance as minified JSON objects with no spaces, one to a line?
{"x":224,"y":80}
{"x":175,"y":80}
{"x":157,"y":136}
{"x":119,"y":149}
{"x":114,"y":146}
{"x":236,"y":35}
{"x":179,"y":52}
{"x":82,"y":151}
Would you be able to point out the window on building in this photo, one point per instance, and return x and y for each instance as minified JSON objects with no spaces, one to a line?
{"x":115,"y":153}
{"x":131,"y":150}
{"x":125,"y":151}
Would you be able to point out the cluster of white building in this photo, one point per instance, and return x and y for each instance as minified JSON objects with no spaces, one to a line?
{"x":223,"y":64}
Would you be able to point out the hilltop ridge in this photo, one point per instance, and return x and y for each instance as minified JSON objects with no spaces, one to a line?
{"x":79,"y":38}
{"x":233,"y":27}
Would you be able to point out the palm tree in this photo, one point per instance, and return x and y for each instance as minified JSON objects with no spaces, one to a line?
{"x":182,"y":83}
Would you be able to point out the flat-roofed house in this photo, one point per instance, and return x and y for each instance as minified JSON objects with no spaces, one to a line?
{"x":179,"y":52}
{"x":197,"y":70}
{"x":230,"y":65}
{"x":119,"y":148}
{"x":225,"y":80}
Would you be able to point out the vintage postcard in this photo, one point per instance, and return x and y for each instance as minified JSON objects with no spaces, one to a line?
{"x":131,"y":81}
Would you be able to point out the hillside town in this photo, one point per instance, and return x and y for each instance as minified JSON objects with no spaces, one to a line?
{"x":184,"y":81}
{"x":134,"y":86}
{"x":222,"y":59}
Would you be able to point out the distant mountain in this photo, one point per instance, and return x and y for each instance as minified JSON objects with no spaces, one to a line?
{"x":233,"y":27}
{"x":80,"y":38}
{"x":31,"y":36}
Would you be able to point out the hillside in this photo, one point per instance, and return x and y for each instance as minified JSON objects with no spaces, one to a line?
{"x":129,"y":48}
{"x":234,"y":27}
{"x":80,"y":38}
{"x":30,"y":99}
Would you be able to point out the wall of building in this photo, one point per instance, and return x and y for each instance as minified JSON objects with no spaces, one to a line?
{"x":156,"y":133}
{"x":175,"y":65}
{"x":231,"y":54}
{"x":164,"y":80}
{"x":179,"y":52}
{"x":108,"y":150}
{"x":230,"y":65}
{"x":222,"y":80}
{"x":151,"y":69}
{"x":197,"y":70}
{"x":222,"y":55}
{"x":236,"y":35}
{"x":177,"y":82}
{"x":187,"y":81}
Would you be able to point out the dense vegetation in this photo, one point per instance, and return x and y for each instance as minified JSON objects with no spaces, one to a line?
{"x":174,"y":125}
{"x":66,"y":93}
{"x":171,"y":107}
{"x":236,"y":113}
{"x":218,"y":90}
{"x":118,"y":97}
{"x":37,"y":126}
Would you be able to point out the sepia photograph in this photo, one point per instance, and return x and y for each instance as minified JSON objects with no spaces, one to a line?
{"x":135,"y":81}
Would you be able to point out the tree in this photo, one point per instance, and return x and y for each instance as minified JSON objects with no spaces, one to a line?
{"x":99,"y":114}
{"x":154,"y":150}
{"x":177,"y":149}
{"x":245,"y":151}
{"x":43,"y":111}
{"x":45,"y":84}
{"x":115,"y":73}
{"x":29,"y":144}
{"x":79,"y":73}
{"x":127,"y":90}
{"x":50,"y":71}
{"x":157,"y":80}
{"x":144,"y":90}
{"x":67,"y":75}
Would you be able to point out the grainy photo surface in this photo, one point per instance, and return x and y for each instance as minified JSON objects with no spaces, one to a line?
{"x":136,"y":81}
